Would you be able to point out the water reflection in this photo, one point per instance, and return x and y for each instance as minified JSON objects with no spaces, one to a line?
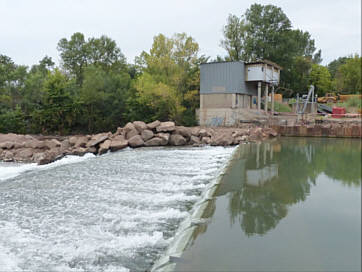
{"x":266,"y":178}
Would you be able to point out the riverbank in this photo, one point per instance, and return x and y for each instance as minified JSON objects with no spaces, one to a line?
{"x":45,"y":149}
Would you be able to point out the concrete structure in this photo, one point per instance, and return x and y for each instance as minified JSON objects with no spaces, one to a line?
{"x":230,"y":91}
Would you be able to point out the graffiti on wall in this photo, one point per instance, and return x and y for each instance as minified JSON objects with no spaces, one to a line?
{"x":216,"y":121}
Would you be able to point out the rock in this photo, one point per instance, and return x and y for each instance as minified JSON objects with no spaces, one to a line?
{"x":156,"y":141}
{"x":97,"y":139}
{"x":146,"y":134}
{"x":136,"y":141}
{"x":73,"y":140}
{"x":7,"y":156}
{"x":244,"y":138}
{"x":166,"y":127}
{"x":194,"y":140}
{"x":81,"y":141}
{"x":203,"y":133}
{"x":118,"y":143}
{"x":47,"y":157}
{"x":164,"y":136}
{"x":206,"y":140}
{"x":23,"y":154}
{"x":195,"y":131}
{"x":153,"y":125}
{"x":183,"y":131}
{"x":140,"y":126}
{"x":176,"y":139}
{"x":119,"y":131}
{"x":53,"y":143}
{"x":131,"y":133}
{"x":129,"y":126}
{"x":91,"y":149}
{"x":7,"y":145}
{"x":270,"y":132}
{"x":65,"y":144}
{"x":35,"y":144}
{"x":222,"y":139}
{"x":79,"y":151}
{"x":104,"y":147}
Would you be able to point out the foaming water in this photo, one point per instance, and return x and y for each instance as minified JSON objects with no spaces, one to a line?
{"x":117,"y":212}
{"x":11,"y":170}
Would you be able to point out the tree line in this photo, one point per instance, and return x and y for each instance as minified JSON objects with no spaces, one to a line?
{"x":95,"y":89}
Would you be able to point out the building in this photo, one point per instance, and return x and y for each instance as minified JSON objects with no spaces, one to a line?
{"x":231,"y":90}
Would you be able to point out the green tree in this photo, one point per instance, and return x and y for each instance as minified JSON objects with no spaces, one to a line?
{"x":77,"y":53}
{"x":348,"y":76}
{"x":321,"y":79}
{"x":234,"y":36}
{"x":173,"y":65}
{"x":265,"y":32}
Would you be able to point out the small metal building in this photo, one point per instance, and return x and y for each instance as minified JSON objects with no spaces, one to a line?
{"x":227,"y":89}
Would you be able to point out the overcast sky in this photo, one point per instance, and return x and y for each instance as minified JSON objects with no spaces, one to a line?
{"x":31,"y":29}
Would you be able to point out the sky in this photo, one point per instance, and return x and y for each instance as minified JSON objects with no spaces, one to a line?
{"x":29,"y":30}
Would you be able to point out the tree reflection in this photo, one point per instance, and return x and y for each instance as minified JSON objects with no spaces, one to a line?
{"x":267,"y":178}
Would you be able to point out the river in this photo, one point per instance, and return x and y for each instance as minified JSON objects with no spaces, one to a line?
{"x":116,"y":212}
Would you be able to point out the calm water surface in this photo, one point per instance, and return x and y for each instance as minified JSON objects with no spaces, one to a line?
{"x":288,"y":205}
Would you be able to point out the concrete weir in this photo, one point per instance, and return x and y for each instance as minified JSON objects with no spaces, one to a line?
{"x":187,"y":228}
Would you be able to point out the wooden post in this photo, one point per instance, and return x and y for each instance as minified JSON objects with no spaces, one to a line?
{"x":259,"y":96}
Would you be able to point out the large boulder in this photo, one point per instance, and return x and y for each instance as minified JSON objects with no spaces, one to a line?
{"x":156,"y":141}
{"x":136,"y":141}
{"x":140,"y":126}
{"x":81,"y":141}
{"x":183,"y":131}
{"x":206,"y":140}
{"x":53,"y":143}
{"x":153,"y":125}
{"x":177,"y":139}
{"x":146,"y":134}
{"x":164,"y":136}
{"x":7,"y":155}
{"x":47,"y":157}
{"x":203,"y":133}
{"x":35,"y":144}
{"x":194,"y":140}
{"x":7,"y":145}
{"x":222,"y":139}
{"x":118,"y":142}
{"x":24,"y":154}
{"x":166,"y":127}
{"x":104,"y":147}
{"x":73,"y":140}
{"x":97,"y":139}
{"x":195,"y":131}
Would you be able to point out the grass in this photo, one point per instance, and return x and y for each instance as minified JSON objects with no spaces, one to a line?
{"x":280,"y":107}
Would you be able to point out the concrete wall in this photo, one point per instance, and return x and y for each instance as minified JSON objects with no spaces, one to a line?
{"x":225,"y":101}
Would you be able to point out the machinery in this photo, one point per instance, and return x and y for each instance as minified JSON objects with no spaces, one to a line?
{"x":328,"y":98}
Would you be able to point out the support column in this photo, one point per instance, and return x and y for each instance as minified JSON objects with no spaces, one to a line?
{"x":266,"y":99}
{"x":272,"y":101}
{"x":259,"y":96}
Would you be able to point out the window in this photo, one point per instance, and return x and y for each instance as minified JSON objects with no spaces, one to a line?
{"x":262,"y":69}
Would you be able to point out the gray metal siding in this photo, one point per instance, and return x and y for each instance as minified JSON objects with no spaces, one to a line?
{"x":224,"y":77}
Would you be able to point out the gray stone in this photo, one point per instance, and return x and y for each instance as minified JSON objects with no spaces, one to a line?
{"x":164,"y":136}
{"x":140,"y":126}
{"x":156,"y":141}
{"x":81,"y":141}
{"x":166,"y":127}
{"x":7,"y":145}
{"x":118,"y":144}
{"x":131,"y":133}
{"x":147,"y":134}
{"x":183,"y":131}
{"x":176,"y":139}
{"x":136,"y":141}
{"x":97,"y":139}
{"x":205,"y":140}
{"x":153,"y":125}
{"x":104,"y":147}
{"x":222,"y":139}
{"x":194,"y":140}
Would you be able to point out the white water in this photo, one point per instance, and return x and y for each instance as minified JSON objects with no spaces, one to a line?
{"x":117,"y":212}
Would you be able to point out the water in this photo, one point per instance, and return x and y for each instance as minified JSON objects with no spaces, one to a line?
{"x":288,"y":205}
{"x":116,"y":212}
